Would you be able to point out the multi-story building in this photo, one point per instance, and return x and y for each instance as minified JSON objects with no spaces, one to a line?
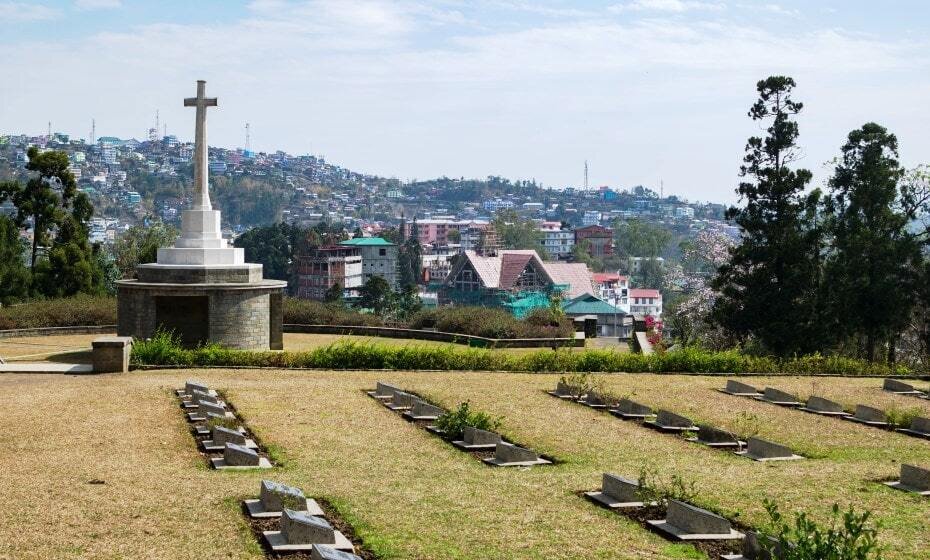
{"x":434,"y":231}
{"x":591,"y":218}
{"x":496,"y":204}
{"x":646,"y":302}
{"x":557,"y":242}
{"x":600,"y":240}
{"x":379,"y":258}
{"x":636,"y":263}
{"x":612,"y":288}
{"x":325,"y":266}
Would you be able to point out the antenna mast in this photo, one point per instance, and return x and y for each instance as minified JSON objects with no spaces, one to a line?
{"x":248,"y":138}
{"x":585,"y":174}
{"x":93,"y":131}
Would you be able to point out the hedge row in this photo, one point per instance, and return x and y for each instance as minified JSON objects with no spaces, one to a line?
{"x":67,"y":312}
{"x":161,"y":350}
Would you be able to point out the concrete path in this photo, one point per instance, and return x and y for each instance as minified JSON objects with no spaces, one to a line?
{"x":45,"y":367}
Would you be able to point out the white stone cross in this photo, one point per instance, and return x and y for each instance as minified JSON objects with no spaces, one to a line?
{"x":202,"y":195}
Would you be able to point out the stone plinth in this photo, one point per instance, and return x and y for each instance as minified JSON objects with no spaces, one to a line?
{"x":111,"y":354}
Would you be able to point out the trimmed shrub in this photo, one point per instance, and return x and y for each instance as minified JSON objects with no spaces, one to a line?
{"x":309,"y":312}
{"x":453,"y":423}
{"x":76,"y":311}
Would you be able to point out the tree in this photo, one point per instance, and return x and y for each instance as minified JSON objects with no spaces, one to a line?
{"x":37,"y":201}
{"x":274,"y":247}
{"x":333,"y":293}
{"x":410,"y":258}
{"x":769,"y":287}
{"x":873,"y":268}
{"x":454,"y":236}
{"x":377,"y":295}
{"x":73,"y":265}
{"x":139,"y":245}
{"x":14,"y":277}
{"x":516,"y":232}
{"x":638,"y":238}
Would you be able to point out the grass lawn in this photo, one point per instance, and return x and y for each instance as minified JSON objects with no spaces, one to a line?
{"x":408,"y":494}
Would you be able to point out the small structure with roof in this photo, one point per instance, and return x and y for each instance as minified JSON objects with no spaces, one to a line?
{"x":379,"y":258}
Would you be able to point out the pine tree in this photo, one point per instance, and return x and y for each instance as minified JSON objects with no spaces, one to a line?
{"x":14,"y":276}
{"x":872,"y":272}
{"x":769,"y":287}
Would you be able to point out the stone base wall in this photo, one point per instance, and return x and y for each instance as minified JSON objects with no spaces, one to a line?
{"x":238,"y":316}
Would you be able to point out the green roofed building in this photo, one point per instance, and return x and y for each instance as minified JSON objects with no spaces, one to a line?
{"x":379,"y":258}
{"x":611,"y":321}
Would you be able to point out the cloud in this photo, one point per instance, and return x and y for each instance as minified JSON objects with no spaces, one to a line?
{"x":22,"y":11}
{"x":97,"y":4}
{"x":671,"y":6}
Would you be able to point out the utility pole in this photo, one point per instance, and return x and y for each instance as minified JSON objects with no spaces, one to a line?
{"x":248,"y":138}
{"x":585,"y":174}
{"x":49,"y":137}
{"x":93,"y":131}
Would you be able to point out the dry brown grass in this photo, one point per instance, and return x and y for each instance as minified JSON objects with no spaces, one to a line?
{"x":47,"y":348}
{"x":410,"y":495}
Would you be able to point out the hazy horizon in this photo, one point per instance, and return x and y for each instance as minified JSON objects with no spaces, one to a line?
{"x":644,"y":90}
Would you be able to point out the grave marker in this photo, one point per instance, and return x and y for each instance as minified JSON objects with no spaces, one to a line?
{"x":422,"y":410}
{"x":595,"y":400}
{"x":715,"y":437}
{"x":222,"y":436}
{"x":474,"y":439}
{"x":762,"y":450}
{"x":239,"y":457}
{"x":740,"y":389}
{"x":402,"y":401}
{"x":670,"y":422}
{"x":869,"y":416}
{"x":691,"y":523}
{"x":628,"y":409}
{"x":191,"y":385}
{"x":204,"y":428}
{"x":301,"y":531}
{"x":274,"y":498}
{"x":564,"y":391}
{"x":510,"y":455}
{"x":900,"y":387}
{"x":204,"y":408}
{"x":920,"y":427}
{"x":383,"y":391}
{"x":753,"y":549}
{"x":617,"y":492}
{"x":913,"y":479}
{"x":781,"y":398}
{"x":824,"y":407}
{"x":197,"y":395}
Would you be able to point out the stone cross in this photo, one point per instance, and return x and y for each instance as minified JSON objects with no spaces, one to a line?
{"x":202,"y":196}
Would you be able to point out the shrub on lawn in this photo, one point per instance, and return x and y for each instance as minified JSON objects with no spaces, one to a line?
{"x":309,"y":312}
{"x":80,"y":310}
{"x":848,"y":536}
{"x":453,"y":423}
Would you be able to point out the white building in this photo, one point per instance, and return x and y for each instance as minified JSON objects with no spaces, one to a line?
{"x":646,"y":302}
{"x":557,"y":242}
{"x":684,"y":212}
{"x":591,"y":218}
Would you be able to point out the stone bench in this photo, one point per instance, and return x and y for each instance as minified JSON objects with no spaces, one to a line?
{"x":274,"y":498}
{"x":687,"y":522}
{"x":617,"y":492}
{"x":761,"y":450}
{"x":110,"y":354}
{"x":510,"y":455}
{"x":913,"y":479}
{"x":238,"y":457}
{"x":740,"y":389}
{"x":299,"y":531}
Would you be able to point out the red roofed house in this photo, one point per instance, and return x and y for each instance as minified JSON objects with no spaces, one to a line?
{"x":612,"y":288}
{"x":646,"y":302}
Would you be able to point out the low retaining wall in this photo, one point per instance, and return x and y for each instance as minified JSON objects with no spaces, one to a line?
{"x":641,"y":343}
{"x":51,"y":331}
{"x":416,"y":334}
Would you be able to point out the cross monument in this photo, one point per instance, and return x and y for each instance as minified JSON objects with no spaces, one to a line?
{"x":201,"y":170}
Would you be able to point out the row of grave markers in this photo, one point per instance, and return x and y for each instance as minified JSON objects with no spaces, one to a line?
{"x":209,"y":415}
{"x":302,"y":524}
{"x":413,"y":408}
{"x":663,"y":420}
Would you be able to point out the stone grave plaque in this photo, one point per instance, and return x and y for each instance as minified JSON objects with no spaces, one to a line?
{"x":899,"y":387}
{"x":301,"y":531}
{"x":920,"y":427}
{"x":595,"y":400}
{"x":825,"y":407}
{"x":222,"y":436}
{"x":776,"y":396}
{"x":630,"y":410}
{"x":617,"y":492}
{"x":402,"y":401}
{"x":869,"y":415}
{"x":753,"y":549}
{"x":670,"y":422}
{"x":275,"y":498}
{"x":564,"y":391}
{"x":715,"y":437}
{"x":913,"y":479}
{"x":510,"y":455}
{"x":422,"y":410}
{"x":691,"y":523}
{"x":383,"y":391}
{"x":475,"y":439}
{"x":239,"y":457}
{"x":740,"y":389}
{"x":761,"y":450}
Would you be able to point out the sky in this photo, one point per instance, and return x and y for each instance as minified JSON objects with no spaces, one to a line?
{"x":651,"y":92}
